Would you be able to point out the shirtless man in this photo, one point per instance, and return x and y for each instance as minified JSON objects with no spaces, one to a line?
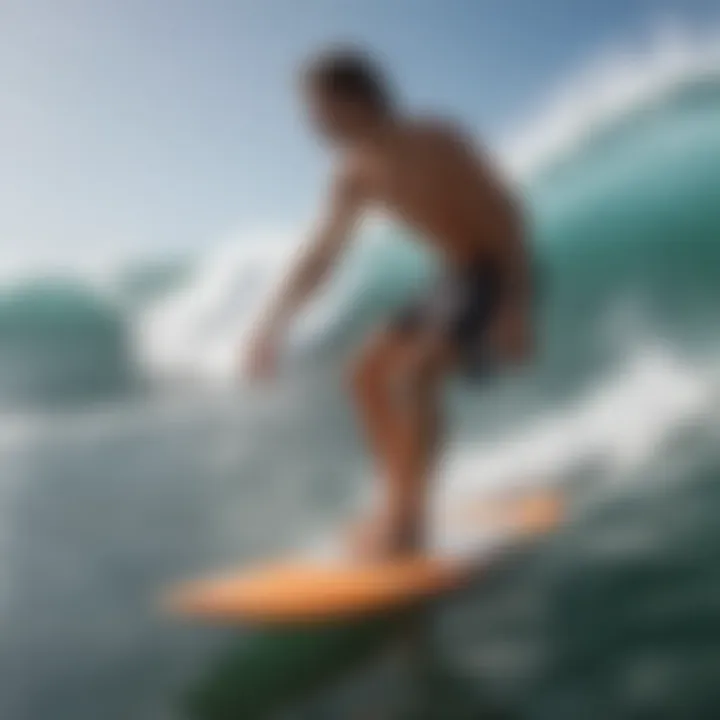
{"x":426,"y":173}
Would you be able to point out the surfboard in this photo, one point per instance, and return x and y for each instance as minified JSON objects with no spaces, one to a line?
{"x":317,"y":589}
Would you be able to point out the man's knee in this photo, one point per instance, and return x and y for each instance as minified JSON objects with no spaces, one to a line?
{"x":417,"y":372}
{"x":369,"y":374}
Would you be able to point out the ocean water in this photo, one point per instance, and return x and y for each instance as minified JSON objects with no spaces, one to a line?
{"x":131,"y":458}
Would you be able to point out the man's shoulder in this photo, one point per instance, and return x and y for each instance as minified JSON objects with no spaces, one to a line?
{"x":437,"y":130}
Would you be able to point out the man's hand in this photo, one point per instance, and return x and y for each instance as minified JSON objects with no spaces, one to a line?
{"x":260,"y":361}
{"x":511,"y":335}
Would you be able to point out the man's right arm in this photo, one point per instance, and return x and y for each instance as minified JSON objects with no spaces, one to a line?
{"x":311,"y":268}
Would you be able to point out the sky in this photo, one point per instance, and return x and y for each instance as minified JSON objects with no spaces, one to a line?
{"x":142,"y":127}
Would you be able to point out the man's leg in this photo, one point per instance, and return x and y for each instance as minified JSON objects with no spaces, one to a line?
{"x":370,"y":383}
{"x":418,"y":379}
{"x":397,"y":387}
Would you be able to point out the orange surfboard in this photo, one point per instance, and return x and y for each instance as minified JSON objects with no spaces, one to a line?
{"x":324,"y":590}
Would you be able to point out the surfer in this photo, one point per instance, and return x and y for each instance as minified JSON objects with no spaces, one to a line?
{"x":426,"y":173}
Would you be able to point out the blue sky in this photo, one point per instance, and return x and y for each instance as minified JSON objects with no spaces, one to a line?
{"x":146,"y":125}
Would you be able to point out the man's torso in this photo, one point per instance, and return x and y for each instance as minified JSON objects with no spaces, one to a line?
{"x":431,"y":179}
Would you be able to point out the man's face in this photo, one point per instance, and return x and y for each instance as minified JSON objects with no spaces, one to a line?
{"x":337,"y":119}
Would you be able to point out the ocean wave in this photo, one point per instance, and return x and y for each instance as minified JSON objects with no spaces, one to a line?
{"x":617,"y":85}
{"x":622,"y":425}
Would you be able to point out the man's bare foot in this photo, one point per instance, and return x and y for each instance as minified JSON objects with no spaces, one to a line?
{"x":376,"y":539}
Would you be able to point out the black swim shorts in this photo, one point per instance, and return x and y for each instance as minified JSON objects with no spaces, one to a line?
{"x":460,"y":307}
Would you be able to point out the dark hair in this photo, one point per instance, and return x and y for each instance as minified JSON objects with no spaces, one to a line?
{"x":349,"y":74}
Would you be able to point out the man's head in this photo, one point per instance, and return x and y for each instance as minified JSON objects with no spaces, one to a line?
{"x":347,"y":95}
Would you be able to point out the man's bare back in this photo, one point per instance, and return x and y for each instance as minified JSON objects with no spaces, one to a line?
{"x":428,"y":175}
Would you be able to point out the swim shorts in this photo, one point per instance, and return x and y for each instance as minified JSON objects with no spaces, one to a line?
{"x":460,"y":307}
